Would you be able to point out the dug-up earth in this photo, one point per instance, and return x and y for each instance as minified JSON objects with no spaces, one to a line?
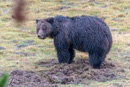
{"x":79,"y":72}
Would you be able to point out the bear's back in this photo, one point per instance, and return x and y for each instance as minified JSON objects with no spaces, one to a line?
{"x":87,"y":20}
{"x":60,"y":18}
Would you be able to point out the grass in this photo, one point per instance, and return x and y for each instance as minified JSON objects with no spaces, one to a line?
{"x":115,"y":12}
{"x":4,"y":80}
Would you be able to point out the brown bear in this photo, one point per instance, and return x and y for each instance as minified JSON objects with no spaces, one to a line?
{"x":84,"y":33}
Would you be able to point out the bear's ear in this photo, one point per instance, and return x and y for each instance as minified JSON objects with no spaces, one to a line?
{"x":50,"y":20}
{"x":37,"y":20}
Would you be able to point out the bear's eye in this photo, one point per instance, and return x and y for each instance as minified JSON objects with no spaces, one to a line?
{"x":43,"y":28}
{"x":38,"y":29}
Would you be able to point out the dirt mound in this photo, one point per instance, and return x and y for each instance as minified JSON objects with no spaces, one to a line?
{"x":78,"y":72}
{"x":27,"y":79}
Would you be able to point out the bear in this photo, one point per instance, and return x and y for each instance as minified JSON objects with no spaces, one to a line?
{"x":83,"y":33}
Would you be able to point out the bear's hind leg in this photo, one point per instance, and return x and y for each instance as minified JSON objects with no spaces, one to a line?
{"x":72,"y":55}
{"x":96,"y":60}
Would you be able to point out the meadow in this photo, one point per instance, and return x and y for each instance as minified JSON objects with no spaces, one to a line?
{"x":22,"y":52}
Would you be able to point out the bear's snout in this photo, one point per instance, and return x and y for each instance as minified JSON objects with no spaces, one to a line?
{"x":40,"y":36}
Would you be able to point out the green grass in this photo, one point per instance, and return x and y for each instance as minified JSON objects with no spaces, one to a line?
{"x":12,"y":35}
{"x":4,"y":80}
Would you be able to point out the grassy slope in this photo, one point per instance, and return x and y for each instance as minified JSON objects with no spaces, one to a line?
{"x":115,"y":12}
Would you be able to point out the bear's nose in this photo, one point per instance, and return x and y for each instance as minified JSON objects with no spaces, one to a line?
{"x":39,"y":36}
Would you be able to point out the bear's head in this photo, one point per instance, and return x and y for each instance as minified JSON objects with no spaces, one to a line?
{"x":44,"y":27}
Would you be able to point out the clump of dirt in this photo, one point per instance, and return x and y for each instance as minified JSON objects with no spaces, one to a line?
{"x":78,"y":72}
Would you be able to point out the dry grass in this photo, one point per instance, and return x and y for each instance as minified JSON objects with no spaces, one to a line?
{"x":115,"y":12}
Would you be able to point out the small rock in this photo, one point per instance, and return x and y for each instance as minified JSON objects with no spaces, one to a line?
{"x":114,"y":29}
{"x":120,"y":70}
{"x":65,"y":7}
{"x":109,"y":58}
{"x":21,"y":46}
{"x":25,"y":54}
{"x":2,"y":48}
{"x":29,"y":42}
{"x":128,"y":44}
{"x":51,"y":41}
{"x":93,"y":1}
{"x":14,"y":41}
{"x":115,"y":19}
{"x":26,"y":43}
{"x":117,"y":85}
{"x":121,"y":33}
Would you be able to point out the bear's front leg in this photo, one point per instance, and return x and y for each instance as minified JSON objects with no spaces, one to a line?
{"x":62,"y":46}
{"x":63,"y":56}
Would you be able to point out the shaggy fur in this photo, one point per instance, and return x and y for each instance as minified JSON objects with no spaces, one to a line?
{"x":84,"y":33}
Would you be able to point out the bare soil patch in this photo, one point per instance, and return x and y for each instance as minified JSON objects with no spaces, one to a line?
{"x":78,"y":72}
